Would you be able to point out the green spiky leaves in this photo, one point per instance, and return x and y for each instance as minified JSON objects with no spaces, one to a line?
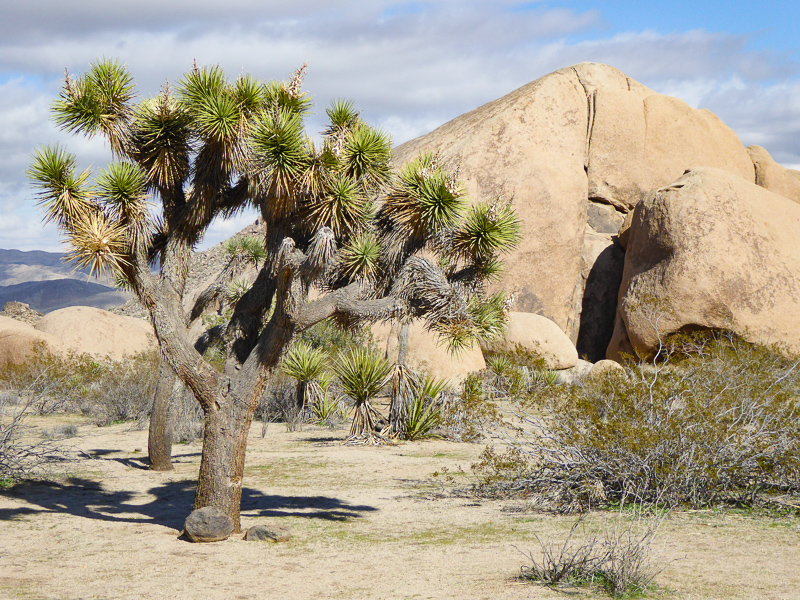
{"x":366,"y":154}
{"x":362,"y":373}
{"x":280,"y":152}
{"x":200,"y":85}
{"x":304,"y":362}
{"x":342,"y":207}
{"x":123,"y":186}
{"x":424,"y":199}
{"x":248,"y":247}
{"x":289,"y":96}
{"x":97,"y":101}
{"x":342,"y":115}
{"x":360,"y":258}
{"x":488,"y":229}
{"x":64,"y":196}
{"x":122,"y":189}
{"x":101,"y":221}
{"x":162,"y":140}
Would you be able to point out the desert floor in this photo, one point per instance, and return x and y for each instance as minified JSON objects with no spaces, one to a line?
{"x":367,"y":522}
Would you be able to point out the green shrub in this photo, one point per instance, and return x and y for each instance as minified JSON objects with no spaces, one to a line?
{"x":720,"y":425}
{"x":49,"y":383}
{"x":515,"y":374}
{"x":105,"y":390}
{"x":465,"y":416}
{"x":425,"y":410}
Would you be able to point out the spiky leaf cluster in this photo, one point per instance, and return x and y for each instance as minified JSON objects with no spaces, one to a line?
{"x":97,"y":102}
{"x":304,"y":362}
{"x":362,"y":373}
{"x":104,"y":220}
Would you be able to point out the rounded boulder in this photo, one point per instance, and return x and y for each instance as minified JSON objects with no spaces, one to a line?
{"x":208,"y":524}
{"x":87,"y":330}
{"x":19,"y":342}
{"x":538,"y":335}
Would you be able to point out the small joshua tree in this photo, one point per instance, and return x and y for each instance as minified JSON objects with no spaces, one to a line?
{"x":336,"y":219}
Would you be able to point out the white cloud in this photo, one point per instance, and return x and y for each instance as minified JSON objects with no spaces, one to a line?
{"x":409,"y":66}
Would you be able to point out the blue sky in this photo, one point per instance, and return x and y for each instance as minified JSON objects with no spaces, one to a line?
{"x":410,"y":66}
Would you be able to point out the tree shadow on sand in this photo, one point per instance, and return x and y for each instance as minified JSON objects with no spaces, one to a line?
{"x":167,"y":504}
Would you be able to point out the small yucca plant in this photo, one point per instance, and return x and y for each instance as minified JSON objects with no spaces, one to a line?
{"x":307,"y":365}
{"x":362,"y":373}
{"x":425,"y":411}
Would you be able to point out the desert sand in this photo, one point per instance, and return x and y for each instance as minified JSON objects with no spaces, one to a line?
{"x":366,"y":522}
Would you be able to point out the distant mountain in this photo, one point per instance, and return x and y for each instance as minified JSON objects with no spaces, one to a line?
{"x":44,"y":281}
{"x":17,"y":266}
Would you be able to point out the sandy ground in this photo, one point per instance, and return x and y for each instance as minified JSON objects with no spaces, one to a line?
{"x":367,"y":523}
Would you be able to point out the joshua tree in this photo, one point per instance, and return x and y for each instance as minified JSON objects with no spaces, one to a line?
{"x":336,"y":219}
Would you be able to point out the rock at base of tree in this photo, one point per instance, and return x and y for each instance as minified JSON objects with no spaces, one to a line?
{"x":208,"y":524}
{"x":268,"y":533}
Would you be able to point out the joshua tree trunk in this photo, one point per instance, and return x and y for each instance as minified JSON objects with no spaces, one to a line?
{"x":300,"y":391}
{"x":403,"y":380}
{"x":222,"y":464}
{"x":159,"y":439}
{"x":402,"y":343}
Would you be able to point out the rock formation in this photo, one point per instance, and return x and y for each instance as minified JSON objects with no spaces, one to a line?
{"x":19,"y":342}
{"x":427,"y":353}
{"x":538,"y":335}
{"x":710,"y":251}
{"x":579,"y":149}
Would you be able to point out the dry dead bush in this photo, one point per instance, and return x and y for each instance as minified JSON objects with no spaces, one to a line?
{"x":465,"y":416}
{"x":620,"y":558}
{"x":23,"y":454}
{"x":122,"y":391}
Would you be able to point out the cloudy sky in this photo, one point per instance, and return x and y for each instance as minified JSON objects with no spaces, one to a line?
{"x":409,"y":66}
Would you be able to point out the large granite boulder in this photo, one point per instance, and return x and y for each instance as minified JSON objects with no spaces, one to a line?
{"x":531,"y":143}
{"x":583,"y":136}
{"x":640,"y":140}
{"x":19,"y":342}
{"x":713,"y":251}
{"x":87,"y":330}
{"x":538,"y":335}
{"x":427,"y":352}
